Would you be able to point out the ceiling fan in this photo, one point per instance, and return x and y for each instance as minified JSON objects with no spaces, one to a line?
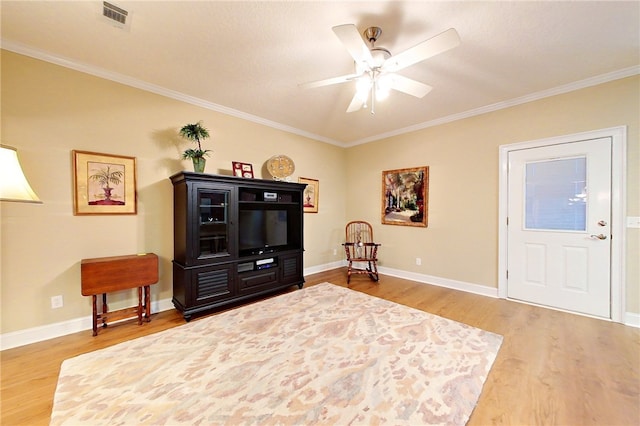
{"x":376,"y":68}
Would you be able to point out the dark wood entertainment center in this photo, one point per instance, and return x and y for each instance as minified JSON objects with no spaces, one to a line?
{"x":234,"y":239}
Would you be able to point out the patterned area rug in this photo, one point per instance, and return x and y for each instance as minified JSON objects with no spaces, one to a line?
{"x":321,"y":355}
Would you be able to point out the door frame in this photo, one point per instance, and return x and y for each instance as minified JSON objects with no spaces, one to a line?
{"x":618,"y":137}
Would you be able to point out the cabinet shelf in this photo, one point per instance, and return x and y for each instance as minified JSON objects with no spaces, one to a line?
{"x":268,"y":203}
{"x":220,"y":237}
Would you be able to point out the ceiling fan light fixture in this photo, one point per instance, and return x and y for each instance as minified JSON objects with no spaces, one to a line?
{"x":380,"y":55}
{"x":363,"y":87}
{"x":383,"y":87}
{"x":361,"y":68}
{"x":381,"y":95}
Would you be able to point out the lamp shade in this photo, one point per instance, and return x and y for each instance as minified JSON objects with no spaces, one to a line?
{"x":13,"y":183}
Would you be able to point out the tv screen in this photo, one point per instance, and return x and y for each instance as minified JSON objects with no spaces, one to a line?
{"x":262,"y":230}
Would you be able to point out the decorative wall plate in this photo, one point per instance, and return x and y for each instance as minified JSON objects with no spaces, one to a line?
{"x":280,"y":167}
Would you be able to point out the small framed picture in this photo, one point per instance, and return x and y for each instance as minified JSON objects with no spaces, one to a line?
{"x":103,"y":184}
{"x":310,"y":202}
{"x":244,"y":170}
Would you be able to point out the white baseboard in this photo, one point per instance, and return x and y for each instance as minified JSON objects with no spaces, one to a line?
{"x":58,"y":329}
{"x":325,"y":267}
{"x":441,"y":282}
{"x":51,"y":331}
{"x":632,"y":319}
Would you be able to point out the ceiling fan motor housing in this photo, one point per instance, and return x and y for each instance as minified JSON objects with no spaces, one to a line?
{"x":379,"y":54}
{"x":372,"y":34}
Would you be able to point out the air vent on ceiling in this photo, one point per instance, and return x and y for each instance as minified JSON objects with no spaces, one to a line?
{"x":114,"y":13}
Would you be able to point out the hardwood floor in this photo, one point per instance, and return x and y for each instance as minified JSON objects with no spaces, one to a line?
{"x":553,"y":368}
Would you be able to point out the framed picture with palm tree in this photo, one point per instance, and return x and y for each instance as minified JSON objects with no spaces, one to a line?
{"x":103,"y":184}
{"x":311,"y":193}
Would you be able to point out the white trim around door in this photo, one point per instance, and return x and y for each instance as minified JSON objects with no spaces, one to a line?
{"x":618,"y":137}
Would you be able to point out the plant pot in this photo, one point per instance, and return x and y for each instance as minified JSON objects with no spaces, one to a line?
{"x":107,"y":193}
{"x":198,"y":164}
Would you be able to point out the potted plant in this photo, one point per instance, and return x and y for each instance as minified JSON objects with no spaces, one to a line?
{"x":195,"y":133}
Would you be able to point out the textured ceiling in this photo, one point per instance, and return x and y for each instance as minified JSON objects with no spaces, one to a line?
{"x":248,"y":58}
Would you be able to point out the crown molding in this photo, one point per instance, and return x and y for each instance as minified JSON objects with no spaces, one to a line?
{"x":581,"y":84}
{"x":139,"y":84}
{"x":158,"y":90}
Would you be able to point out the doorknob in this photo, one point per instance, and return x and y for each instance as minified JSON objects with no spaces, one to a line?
{"x":599,"y":236}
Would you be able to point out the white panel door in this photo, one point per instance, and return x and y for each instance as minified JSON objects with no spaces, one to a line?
{"x":559,"y":250}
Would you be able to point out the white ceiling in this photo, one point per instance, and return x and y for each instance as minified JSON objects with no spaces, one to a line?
{"x":247,"y":58}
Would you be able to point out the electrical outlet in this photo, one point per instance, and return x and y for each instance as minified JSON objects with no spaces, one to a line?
{"x":57,"y":302}
{"x":418,"y":261}
{"x":335,"y":252}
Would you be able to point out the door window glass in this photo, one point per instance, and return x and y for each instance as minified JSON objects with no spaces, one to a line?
{"x":556,"y":194}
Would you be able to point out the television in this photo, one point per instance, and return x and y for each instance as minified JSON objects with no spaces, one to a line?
{"x":262,"y":231}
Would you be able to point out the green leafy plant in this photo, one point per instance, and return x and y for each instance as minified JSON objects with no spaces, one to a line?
{"x":196,"y":133}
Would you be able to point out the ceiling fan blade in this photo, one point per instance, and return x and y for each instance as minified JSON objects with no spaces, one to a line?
{"x":408,"y":86}
{"x":356,"y":103}
{"x":350,"y":37}
{"x":329,"y":81}
{"x":435,"y":45}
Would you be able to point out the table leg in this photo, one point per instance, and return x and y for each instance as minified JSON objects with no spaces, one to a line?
{"x":139,"y":305}
{"x":105,"y":310}
{"x":147,"y":302}
{"x":95,"y":315}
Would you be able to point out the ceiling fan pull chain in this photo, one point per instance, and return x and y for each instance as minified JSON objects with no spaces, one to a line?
{"x":373,"y":98}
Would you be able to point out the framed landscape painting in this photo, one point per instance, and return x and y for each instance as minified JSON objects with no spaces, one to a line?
{"x":103,"y":184}
{"x":405,"y":196}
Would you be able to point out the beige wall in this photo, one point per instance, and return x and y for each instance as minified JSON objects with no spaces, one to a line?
{"x":47,"y":111}
{"x":461,"y":241}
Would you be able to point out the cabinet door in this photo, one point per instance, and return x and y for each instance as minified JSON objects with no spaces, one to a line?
{"x":211,"y":284}
{"x":291,"y":269}
{"x":212,"y":222}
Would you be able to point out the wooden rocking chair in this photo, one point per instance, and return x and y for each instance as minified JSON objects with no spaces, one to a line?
{"x":359,"y":247}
